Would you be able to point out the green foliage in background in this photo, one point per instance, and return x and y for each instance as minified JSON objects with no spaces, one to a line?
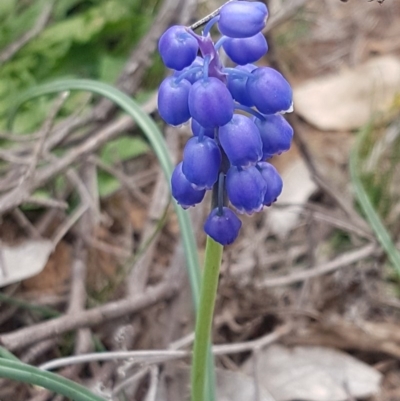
{"x":119,"y":150}
{"x":374,"y":188}
{"x":84,"y":38}
{"x":380,"y":171}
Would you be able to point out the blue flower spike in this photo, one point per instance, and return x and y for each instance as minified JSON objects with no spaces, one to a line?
{"x":227,"y":151}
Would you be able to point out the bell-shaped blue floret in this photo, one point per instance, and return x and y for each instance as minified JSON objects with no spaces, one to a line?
{"x":246,"y":189}
{"x":246,"y":50}
{"x":201,"y":162}
{"x":173,"y":104}
{"x":177,"y":47}
{"x":197,"y":130}
{"x":269,"y":91}
{"x":210,"y":102}
{"x":241,"y":141}
{"x":276,"y":134}
{"x":242,"y":19}
{"x":222,"y":226}
{"x":237,"y":85}
{"x":273,"y":180}
{"x":182,"y":189}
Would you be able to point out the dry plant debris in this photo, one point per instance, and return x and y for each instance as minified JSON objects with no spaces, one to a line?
{"x":108,"y":287}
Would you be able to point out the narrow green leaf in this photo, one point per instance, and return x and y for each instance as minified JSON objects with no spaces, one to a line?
{"x":373,"y":218}
{"x":14,"y":370}
{"x":6,"y":354}
{"x":122,"y":149}
{"x":107,"y":184}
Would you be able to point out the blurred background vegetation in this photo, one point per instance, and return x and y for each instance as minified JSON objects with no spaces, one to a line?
{"x":85,"y":39}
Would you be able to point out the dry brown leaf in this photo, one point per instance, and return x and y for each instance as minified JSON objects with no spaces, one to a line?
{"x":297,"y":188}
{"x":314,"y":374}
{"x":231,"y":386}
{"x":55,"y":272}
{"x":348,"y":100}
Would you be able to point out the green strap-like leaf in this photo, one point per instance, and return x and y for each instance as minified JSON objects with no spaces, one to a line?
{"x":11,"y":369}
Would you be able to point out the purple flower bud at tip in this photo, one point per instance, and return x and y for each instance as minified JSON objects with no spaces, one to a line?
{"x":222,"y":227}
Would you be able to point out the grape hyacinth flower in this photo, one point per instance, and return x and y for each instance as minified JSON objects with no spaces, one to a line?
{"x":228,"y":151}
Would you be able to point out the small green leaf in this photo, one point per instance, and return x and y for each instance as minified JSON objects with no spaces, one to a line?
{"x":123,"y":149}
{"x":107,"y":184}
{"x":110,"y":67}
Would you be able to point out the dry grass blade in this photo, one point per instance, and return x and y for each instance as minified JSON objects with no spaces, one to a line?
{"x":154,"y":356}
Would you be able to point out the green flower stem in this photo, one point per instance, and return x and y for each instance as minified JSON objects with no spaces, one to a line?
{"x":21,"y":372}
{"x":209,"y":285}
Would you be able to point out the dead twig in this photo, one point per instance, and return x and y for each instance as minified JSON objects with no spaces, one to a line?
{"x":287,"y":12}
{"x":126,"y":181}
{"x":26,"y":183}
{"x":21,"y":193}
{"x":324,"y":214}
{"x":130,"y":381}
{"x":320,"y":181}
{"x":342,"y":260}
{"x":137,"y":279}
{"x":337,"y":332}
{"x":45,"y":132}
{"x":38,"y":349}
{"x":19,"y":138}
{"x":154,"y":379}
{"x":73,"y":218}
{"x":77,"y":300}
{"x":88,"y":318}
{"x":24,"y":222}
{"x":47,"y":202}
